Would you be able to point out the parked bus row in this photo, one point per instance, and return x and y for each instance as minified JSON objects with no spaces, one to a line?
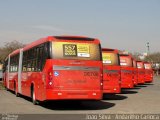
{"x":71,"y":68}
{"x":123,"y":71}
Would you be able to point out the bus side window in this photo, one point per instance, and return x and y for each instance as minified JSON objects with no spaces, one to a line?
{"x":24,"y":64}
{"x":28,"y":65}
{"x":6,"y":66}
{"x":24,"y":67}
{"x":34,"y":59}
{"x":40,"y":58}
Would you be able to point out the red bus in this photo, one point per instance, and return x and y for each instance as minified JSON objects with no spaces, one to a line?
{"x":1,"y":73}
{"x":126,"y":71}
{"x":135,"y":74}
{"x":111,"y":71}
{"x":148,"y":72}
{"x":141,"y":72}
{"x":56,"y":68}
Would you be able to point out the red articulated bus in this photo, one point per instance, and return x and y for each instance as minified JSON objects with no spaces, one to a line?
{"x":135,"y":74}
{"x":141,"y":72}
{"x":111,"y":71}
{"x":126,"y":71}
{"x":56,"y":68}
{"x":148,"y":72}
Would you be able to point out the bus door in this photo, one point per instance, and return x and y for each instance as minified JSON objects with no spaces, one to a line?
{"x":23,"y":77}
{"x":19,"y":90}
{"x":7,"y":73}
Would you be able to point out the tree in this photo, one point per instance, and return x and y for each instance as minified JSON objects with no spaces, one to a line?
{"x":8,"y":48}
{"x":136,"y":55}
{"x":154,"y":57}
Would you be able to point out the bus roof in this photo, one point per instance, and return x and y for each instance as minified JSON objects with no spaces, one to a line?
{"x":73,"y":38}
{"x":126,"y":55}
{"x":15,"y":52}
{"x":52,"y":38}
{"x":147,"y":63}
{"x":140,"y":61}
{"x":110,"y":50}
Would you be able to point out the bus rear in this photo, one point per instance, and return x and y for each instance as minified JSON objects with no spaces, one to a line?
{"x":126,"y":71}
{"x":111,"y":71}
{"x":74,"y":70}
{"x":141,"y":72}
{"x":135,"y":75}
{"x":148,"y":72}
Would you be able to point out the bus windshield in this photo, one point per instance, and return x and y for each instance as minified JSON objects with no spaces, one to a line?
{"x":110,"y":58}
{"x":76,"y":51}
{"x":147,"y":66}
{"x":125,"y":61}
{"x":140,"y":65}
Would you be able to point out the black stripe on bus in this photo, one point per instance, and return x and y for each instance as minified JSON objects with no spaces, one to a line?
{"x":73,"y":38}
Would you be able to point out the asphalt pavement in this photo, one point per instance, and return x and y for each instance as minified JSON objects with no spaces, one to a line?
{"x":143,"y":99}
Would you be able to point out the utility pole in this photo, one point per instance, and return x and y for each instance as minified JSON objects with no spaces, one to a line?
{"x":148,"y":49}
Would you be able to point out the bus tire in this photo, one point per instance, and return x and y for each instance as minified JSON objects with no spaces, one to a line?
{"x":6,"y":88}
{"x":34,"y":101}
{"x":17,"y":94}
{"x":15,"y":90}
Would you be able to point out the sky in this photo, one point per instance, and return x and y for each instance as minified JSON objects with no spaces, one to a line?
{"x":121,"y":24}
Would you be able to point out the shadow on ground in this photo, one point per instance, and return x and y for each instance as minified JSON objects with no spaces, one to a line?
{"x":72,"y":104}
{"x":114,"y":97}
{"x":142,"y":85}
{"x":77,"y":105}
{"x":135,"y":88}
{"x":148,"y":84}
{"x":128,"y":91}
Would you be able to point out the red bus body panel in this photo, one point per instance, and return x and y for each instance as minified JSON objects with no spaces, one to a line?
{"x":111,"y":75}
{"x":70,"y":79}
{"x":127,"y":75}
{"x":72,"y":84}
{"x":148,"y":73}
{"x":141,"y":72}
{"x":111,"y":79}
{"x":135,"y":74}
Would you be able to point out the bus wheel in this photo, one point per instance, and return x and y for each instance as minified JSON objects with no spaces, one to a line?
{"x":34,"y":101}
{"x":17,"y":94}
{"x":6,"y":88}
{"x":15,"y":90}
